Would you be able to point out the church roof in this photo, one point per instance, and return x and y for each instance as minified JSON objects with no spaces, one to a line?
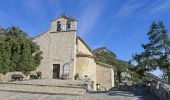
{"x":66,"y":17}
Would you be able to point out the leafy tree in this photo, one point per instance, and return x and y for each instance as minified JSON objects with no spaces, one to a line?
{"x":156,"y":51}
{"x":4,"y":55}
{"x":17,"y":51}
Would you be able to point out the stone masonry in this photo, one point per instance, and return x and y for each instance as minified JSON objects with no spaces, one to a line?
{"x":64,"y":53}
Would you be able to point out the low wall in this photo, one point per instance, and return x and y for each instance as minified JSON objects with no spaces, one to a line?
{"x":133,"y":87}
{"x":7,"y":76}
{"x":4,"y":78}
{"x":160,"y":90}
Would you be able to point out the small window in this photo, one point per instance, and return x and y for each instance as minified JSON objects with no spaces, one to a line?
{"x":68,"y":25}
{"x":58,"y":26}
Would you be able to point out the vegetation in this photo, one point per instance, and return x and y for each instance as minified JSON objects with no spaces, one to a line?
{"x":36,"y":76}
{"x":33,"y":76}
{"x":17,"y":51}
{"x":156,"y":52}
{"x":76,"y":77}
{"x":39,"y":74}
{"x":106,"y":56}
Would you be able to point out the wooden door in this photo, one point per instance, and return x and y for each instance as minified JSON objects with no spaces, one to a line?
{"x":56,"y":71}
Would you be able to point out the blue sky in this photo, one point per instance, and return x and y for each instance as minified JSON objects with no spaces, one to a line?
{"x":119,"y":25}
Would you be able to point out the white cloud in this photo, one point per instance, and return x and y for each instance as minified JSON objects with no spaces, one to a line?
{"x":143,"y":9}
{"x":99,"y":44}
{"x":164,"y":5}
{"x":34,"y":5}
{"x":129,"y":8}
{"x":89,"y":16}
{"x":155,"y":8}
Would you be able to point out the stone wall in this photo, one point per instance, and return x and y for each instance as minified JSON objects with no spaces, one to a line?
{"x":7,"y":77}
{"x":44,"y":42}
{"x":162,"y":91}
{"x":63,"y":23}
{"x":2,"y":77}
{"x":64,"y":47}
{"x":58,"y":48}
{"x":133,"y":87}
{"x":86,"y":67}
{"x":105,"y":77}
{"x":82,"y":48}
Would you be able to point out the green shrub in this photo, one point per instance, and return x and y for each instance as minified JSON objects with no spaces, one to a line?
{"x":18,"y":52}
{"x":76,"y":77}
{"x":39,"y":74}
{"x":33,"y":76}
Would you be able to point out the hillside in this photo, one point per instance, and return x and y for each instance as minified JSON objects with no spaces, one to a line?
{"x":123,"y":68}
{"x":106,"y":56}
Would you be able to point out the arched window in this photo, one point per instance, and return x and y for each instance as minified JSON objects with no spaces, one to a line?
{"x":68,"y":25}
{"x":66,"y":69}
{"x":58,"y":26}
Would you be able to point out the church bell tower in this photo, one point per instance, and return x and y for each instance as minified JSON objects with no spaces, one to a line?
{"x":64,"y":23}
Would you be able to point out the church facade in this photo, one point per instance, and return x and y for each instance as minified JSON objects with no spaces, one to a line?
{"x":66,"y":55}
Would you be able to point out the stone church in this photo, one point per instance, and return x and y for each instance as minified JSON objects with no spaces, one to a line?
{"x":66,"y":55}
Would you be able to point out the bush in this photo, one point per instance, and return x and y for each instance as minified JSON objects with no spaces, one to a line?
{"x":33,"y":76}
{"x":76,"y":77}
{"x":39,"y":74}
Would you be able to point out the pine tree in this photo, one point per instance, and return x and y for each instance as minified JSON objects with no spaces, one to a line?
{"x":164,"y":60}
{"x":156,"y":51}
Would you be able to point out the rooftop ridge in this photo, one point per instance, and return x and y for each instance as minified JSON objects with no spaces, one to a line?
{"x":65,"y":16}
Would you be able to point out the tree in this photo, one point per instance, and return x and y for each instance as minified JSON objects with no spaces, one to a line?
{"x":18,"y":52}
{"x":164,"y":57}
{"x":4,"y":55}
{"x":156,"y":51}
{"x":142,"y":64}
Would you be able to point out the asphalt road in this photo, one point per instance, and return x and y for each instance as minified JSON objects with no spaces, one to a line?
{"x":115,"y":95}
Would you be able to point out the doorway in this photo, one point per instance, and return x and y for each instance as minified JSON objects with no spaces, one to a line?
{"x":56,"y":71}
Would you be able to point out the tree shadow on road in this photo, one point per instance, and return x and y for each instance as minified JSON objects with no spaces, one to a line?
{"x":140,"y":96}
